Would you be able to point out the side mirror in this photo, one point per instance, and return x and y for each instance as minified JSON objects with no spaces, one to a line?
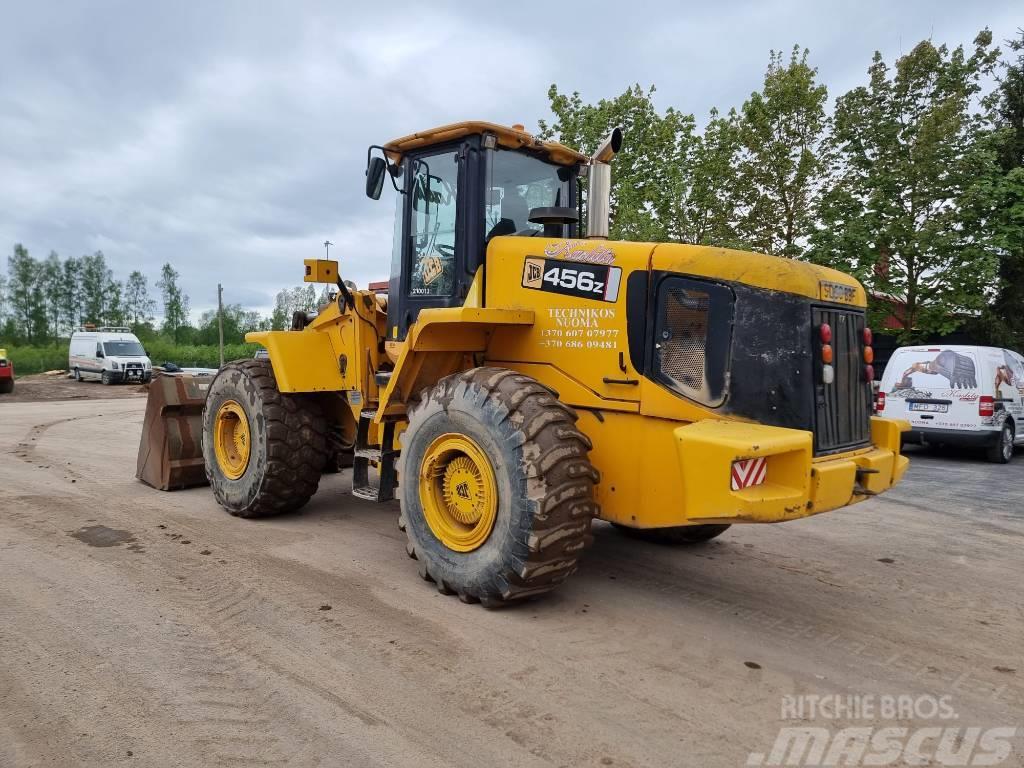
{"x":375,"y":170}
{"x":99,"y":353}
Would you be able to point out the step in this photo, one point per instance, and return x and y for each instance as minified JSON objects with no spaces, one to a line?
{"x":375,"y":454}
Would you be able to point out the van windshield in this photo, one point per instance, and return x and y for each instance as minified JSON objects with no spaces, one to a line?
{"x":123,"y":349}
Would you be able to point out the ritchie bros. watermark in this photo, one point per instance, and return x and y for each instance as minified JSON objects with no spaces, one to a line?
{"x":941,"y":741}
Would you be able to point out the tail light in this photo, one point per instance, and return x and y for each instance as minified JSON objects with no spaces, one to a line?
{"x":826,"y":353}
{"x":869,"y":355}
{"x":986,"y":405}
{"x":828,"y":373}
{"x":869,"y":373}
{"x":826,"y":333}
{"x":880,"y":402}
{"x":868,"y":337}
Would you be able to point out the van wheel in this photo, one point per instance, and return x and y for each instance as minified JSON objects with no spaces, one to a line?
{"x":679,"y":534}
{"x":106,"y":378}
{"x":1002,"y":451}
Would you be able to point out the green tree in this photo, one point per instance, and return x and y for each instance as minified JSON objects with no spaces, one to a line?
{"x":288,"y":301}
{"x":1003,"y":322}
{"x":95,"y":285}
{"x":905,"y":207}
{"x":781,"y":129}
{"x":175,"y":303}
{"x":138,"y":305}
{"x":648,"y":175}
{"x":51,"y":273}
{"x":71,"y":293}
{"x":25,"y":294}
{"x":706,"y":214}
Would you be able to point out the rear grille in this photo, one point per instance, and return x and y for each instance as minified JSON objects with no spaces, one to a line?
{"x":842,"y":416}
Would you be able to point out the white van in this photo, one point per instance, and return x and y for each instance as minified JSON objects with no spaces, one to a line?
{"x":109,"y":354}
{"x":957,"y":395}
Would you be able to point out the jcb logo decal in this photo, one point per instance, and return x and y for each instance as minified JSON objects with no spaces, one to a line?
{"x":533,"y":273}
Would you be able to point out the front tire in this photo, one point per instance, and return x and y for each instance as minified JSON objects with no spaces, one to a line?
{"x":264,"y":450}
{"x":676,"y":535}
{"x":496,"y":487}
{"x":1002,"y":451}
{"x":107,"y":378}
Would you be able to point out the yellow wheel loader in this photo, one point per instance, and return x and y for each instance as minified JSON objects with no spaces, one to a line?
{"x":524,"y":376}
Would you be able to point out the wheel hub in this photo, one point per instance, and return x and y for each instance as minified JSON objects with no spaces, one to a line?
{"x":458,"y":492}
{"x":231,"y":439}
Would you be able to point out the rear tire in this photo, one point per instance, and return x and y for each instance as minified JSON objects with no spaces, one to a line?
{"x":1002,"y":451}
{"x":286,"y":437}
{"x":674,"y":536}
{"x":535,"y":486}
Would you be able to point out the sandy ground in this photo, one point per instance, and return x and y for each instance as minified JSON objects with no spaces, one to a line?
{"x":145,"y":628}
{"x":57,"y":386}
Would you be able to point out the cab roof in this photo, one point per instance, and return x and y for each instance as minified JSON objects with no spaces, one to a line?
{"x":515,"y":137}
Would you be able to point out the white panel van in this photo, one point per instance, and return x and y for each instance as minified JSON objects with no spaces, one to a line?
{"x":111,"y":355}
{"x":957,"y":395}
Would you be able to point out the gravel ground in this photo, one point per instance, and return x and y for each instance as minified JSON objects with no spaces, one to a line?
{"x":148,"y":628}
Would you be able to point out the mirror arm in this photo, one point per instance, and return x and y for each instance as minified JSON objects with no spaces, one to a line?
{"x":390,"y":166}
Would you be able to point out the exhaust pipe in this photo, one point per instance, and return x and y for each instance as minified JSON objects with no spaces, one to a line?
{"x":599,"y":185}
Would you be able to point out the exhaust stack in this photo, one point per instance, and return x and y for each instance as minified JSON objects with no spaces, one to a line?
{"x":599,"y":185}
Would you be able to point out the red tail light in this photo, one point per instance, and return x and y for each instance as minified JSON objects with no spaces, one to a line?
{"x":880,"y":402}
{"x":868,"y":337}
{"x":826,"y":333}
{"x":986,"y":405}
{"x":869,"y":373}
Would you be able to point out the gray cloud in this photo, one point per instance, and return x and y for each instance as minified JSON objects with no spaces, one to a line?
{"x":229,"y":138}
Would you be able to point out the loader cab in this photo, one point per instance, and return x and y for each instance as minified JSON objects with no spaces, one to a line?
{"x":459,"y":187}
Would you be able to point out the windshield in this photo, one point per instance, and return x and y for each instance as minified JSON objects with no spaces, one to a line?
{"x":123,"y":349}
{"x":518,"y":182}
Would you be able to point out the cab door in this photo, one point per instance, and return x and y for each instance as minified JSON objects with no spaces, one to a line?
{"x":435,"y":236}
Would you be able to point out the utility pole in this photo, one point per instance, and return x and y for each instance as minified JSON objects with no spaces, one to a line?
{"x":220,"y":321}
{"x":327,"y":246}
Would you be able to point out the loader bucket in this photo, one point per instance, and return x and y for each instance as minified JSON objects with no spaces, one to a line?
{"x":171,"y":449}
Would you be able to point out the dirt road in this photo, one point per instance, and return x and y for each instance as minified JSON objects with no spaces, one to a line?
{"x":142,"y":628}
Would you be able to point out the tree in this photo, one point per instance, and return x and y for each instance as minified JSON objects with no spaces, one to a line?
{"x":95,"y":285}
{"x":299,"y":299}
{"x":138,"y":305}
{"x":51,"y":274}
{"x":1003,"y":322}
{"x":649,"y":173}
{"x":28,"y":309}
{"x":73,"y":304}
{"x":708,"y":203}
{"x":906,"y":209}
{"x":781,"y":128}
{"x":175,"y":302}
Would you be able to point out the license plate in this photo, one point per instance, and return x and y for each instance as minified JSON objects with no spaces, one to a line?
{"x":930,"y":407}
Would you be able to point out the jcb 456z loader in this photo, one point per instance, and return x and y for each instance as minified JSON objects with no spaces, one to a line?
{"x":521,"y":378}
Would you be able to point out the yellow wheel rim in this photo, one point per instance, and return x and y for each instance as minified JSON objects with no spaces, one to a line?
{"x":231,"y":439}
{"x":458,"y":492}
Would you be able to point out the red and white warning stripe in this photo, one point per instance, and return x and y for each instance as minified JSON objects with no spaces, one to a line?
{"x":749,"y":472}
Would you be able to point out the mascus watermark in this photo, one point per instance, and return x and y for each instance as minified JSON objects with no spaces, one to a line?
{"x":941,"y":742}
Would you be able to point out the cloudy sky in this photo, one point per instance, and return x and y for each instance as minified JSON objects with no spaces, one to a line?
{"x":229,"y":138}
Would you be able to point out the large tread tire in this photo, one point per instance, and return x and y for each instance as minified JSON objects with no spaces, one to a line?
{"x":545,"y":486}
{"x":288,"y":448}
{"x":676,"y":535}
{"x":6,"y":386}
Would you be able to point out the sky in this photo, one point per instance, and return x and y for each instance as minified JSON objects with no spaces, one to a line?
{"x":229,"y":138}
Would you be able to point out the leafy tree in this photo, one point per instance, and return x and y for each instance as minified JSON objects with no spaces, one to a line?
{"x":25,"y":294}
{"x":113,"y":310}
{"x":905,"y":208}
{"x":51,"y":273}
{"x":649,"y":172}
{"x":3,"y":299}
{"x":1003,"y":322}
{"x":138,"y":305}
{"x":73,"y":304}
{"x":299,"y":299}
{"x":708,"y":201}
{"x":96,"y":279}
{"x":781,"y":128}
{"x":175,"y":303}
{"x":237,"y":323}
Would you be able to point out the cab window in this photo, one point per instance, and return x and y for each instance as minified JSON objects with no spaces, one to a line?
{"x":434,"y":193}
{"x":517,"y":183}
